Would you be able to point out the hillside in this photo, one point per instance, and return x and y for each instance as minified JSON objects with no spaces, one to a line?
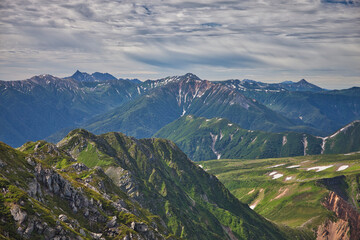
{"x":165,"y":100}
{"x":112,"y":185}
{"x":315,"y":192}
{"x":205,"y":139}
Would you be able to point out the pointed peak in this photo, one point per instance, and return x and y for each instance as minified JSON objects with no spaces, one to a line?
{"x":191,"y":76}
{"x":79,"y":131}
{"x":303,"y":81}
{"x":103,"y":76}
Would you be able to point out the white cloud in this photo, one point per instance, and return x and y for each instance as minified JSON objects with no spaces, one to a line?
{"x":279,"y":40}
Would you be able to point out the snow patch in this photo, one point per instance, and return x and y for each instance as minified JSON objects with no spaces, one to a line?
{"x":319,"y":168}
{"x":293,"y":166}
{"x":278,"y":165}
{"x":201,"y":166}
{"x":343,"y":167}
{"x":305,"y":142}
{"x":272,"y":173}
{"x":214,"y":139}
{"x":183,"y":113}
{"x":284,"y":141}
{"x":323,"y":145}
{"x":229,"y":124}
{"x":288,"y":178}
{"x":278,"y":175}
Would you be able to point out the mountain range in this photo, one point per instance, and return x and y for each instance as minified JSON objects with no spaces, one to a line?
{"x":205,"y":139}
{"x":45,"y":105}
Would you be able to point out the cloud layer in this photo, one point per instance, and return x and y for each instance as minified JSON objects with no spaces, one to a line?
{"x":263,"y":40}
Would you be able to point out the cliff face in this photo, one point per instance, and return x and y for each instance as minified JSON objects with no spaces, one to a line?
{"x":349,"y":219}
{"x":333,"y":230}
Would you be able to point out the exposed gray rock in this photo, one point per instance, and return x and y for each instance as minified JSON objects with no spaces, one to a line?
{"x":18,"y":215}
{"x":30,"y":161}
{"x":63,"y":218}
{"x":29,"y":229}
{"x":79,"y":167}
{"x":139,"y":227}
{"x":82,"y":232}
{"x":2,"y":163}
{"x":112,"y":222}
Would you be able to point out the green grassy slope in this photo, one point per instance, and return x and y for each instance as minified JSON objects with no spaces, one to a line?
{"x":192,"y":203}
{"x":284,"y":190}
{"x":204,"y":139}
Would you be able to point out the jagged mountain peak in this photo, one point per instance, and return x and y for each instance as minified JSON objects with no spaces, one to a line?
{"x":190,"y":76}
{"x":94,"y":77}
{"x":303,"y":81}
{"x":187,"y":76}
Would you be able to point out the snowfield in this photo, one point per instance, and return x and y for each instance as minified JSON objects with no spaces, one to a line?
{"x":341,"y":168}
{"x":293,"y":166}
{"x":278,"y":175}
{"x":278,"y":165}
{"x":272,"y":173}
{"x":319,"y":168}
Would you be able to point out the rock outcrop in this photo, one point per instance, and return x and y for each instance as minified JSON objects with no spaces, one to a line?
{"x":348,"y":224}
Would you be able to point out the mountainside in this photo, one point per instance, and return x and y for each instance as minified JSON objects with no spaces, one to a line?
{"x":114,"y":186}
{"x":205,"y":139}
{"x":36,"y":108}
{"x":314,"y":192}
{"x":327,"y":110}
{"x":165,"y":100}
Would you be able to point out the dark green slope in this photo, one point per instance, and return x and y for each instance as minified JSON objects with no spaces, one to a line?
{"x":327,"y":110}
{"x":36,"y":108}
{"x":157,"y":175}
{"x":167,"y":99}
{"x":345,"y":140}
{"x":46,"y":194}
{"x":205,"y":139}
{"x":140,"y":117}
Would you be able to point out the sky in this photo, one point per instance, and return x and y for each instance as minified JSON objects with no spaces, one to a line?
{"x":269,"y":41}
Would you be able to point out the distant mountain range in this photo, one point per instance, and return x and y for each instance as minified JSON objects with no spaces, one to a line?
{"x":205,"y":139}
{"x":97,"y":77}
{"x":163,"y":101}
{"x":247,"y":84}
{"x":42,"y":105}
{"x":46,"y":105}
